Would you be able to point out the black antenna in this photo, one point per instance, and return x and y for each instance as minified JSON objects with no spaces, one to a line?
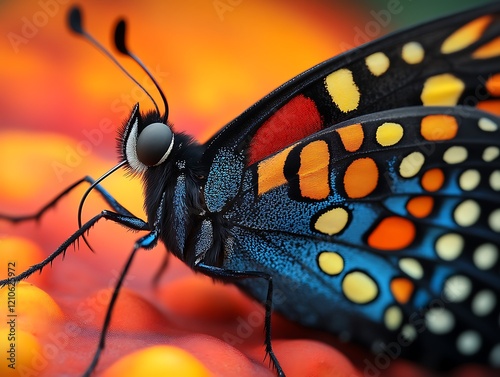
{"x":120,"y":31}
{"x":75,"y":23}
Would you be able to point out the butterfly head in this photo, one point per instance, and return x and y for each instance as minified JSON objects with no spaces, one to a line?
{"x":145,"y":141}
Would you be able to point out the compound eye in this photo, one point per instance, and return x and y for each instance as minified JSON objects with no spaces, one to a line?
{"x":154,"y":144}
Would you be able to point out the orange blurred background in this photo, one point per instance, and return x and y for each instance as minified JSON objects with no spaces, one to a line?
{"x":61,"y":102}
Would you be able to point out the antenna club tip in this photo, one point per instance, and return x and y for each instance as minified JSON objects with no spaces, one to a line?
{"x":75,"y":19}
{"x":120,"y":36}
{"x":75,"y":23}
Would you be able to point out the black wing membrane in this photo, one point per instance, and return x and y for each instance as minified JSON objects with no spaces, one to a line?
{"x":444,"y":62}
{"x":407,"y":259}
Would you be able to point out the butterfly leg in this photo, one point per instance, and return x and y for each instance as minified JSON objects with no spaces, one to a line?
{"x":147,"y":242}
{"x":131,"y":222}
{"x":117,"y":207}
{"x":220,"y":273}
{"x":159,"y":273}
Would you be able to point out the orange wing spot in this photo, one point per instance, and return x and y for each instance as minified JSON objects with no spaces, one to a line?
{"x":466,"y":35}
{"x":432,"y":180}
{"x":314,"y":170}
{"x":270,"y":171}
{"x":352,"y":137}
{"x":488,"y":50}
{"x":493,"y":85}
{"x":420,"y":206}
{"x":361,"y":178}
{"x":402,"y":289}
{"x":492,"y":106}
{"x":392,"y":233}
{"x":439,"y":127}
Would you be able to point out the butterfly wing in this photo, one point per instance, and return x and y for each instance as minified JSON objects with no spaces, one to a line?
{"x":394,"y":239}
{"x":377,"y":221}
{"x":450,"y":61}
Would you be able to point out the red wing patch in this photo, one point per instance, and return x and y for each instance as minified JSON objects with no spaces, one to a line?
{"x":296,"y":120}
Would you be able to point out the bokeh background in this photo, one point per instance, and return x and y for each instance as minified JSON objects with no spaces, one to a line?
{"x":61,"y":102}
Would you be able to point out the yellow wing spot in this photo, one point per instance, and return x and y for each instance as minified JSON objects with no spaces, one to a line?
{"x":389,"y":134}
{"x":361,"y":178}
{"x":493,"y":85}
{"x":469,"y":180}
{"x":449,"y":246}
{"x":413,"y":53}
{"x":483,"y":303}
{"x":470,"y":341}
{"x":442,"y":90}
{"x":488,"y":50}
{"x":313,"y":172}
{"x":487,"y":125}
{"x":343,"y":90}
{"x":485,"y":256}
{"x":378,"y":63}
{"x":494,"y":220}
{"x":439,"y":320}
{"x":411,"y":267}
{"x":411,"y":165}
{"x":467,"y":213}
{"x":490,"y":153}
{"x":330,"y":263}
{"x":332,"y":222}
{"x":494,"y":180}
{"x":393,"y":317}
{"x":409,"y":332}
{"x":457,"y":288}
{"x":270,"y":171}
{"x":351,"y":137}
{"x":359,"y":288}
{"x":455,"y":155}
{"x":466,"y":35}
{"x":439,"y":127}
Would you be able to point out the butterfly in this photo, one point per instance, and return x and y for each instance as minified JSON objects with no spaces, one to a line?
{"x":360,"y":198}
